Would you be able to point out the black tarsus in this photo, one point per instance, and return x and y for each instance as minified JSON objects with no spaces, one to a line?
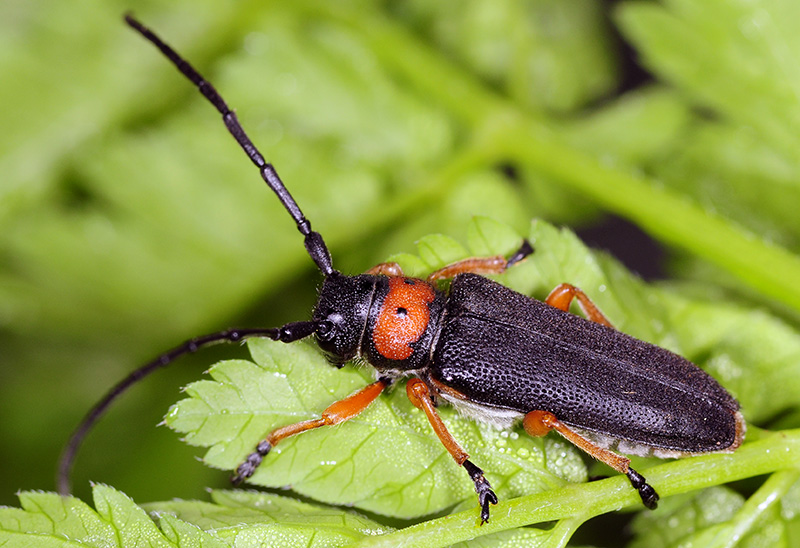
{"x":524,"y":250}
{"x":288,"y":333}
{"x":646,"y":492}
{"x":253,"y":461}
{"x":482,"y":487}
{"x":315,"y":245}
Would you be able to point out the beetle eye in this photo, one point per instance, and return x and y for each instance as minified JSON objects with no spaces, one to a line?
{"x":325,"y":330}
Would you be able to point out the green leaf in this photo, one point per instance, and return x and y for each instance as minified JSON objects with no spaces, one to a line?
{"x":185,"y":535}
{"x":731,"y":169}
{"x":683,"y":516}
{"x":438,"y":250}
{"x":635,"y":129}
{"x":487,"y":237}
{"x":572,"y":505}
{"x":412,"y":265}
{"x":552,"y":55}
{"x":49,"y":520}
{"x":51,"y":517}
{"x":718,"y":517}
{"x":529,"y":537}
{"x":504,"y":132}
{"x":239,"y":518}
{"x":741,"y":63}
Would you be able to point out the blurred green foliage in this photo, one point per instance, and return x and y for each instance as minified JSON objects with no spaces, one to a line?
{"x":129,"y":220}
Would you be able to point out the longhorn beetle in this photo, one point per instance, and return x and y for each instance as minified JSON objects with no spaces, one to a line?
{"x":494,"y":354}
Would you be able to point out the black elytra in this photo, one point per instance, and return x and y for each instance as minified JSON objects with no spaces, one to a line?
{"x":588,"y":375}
{"x":495,"y":354}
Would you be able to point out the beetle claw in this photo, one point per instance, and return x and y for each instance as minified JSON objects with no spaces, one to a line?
{"x":484,"y":489}
{"x":485,"y":498}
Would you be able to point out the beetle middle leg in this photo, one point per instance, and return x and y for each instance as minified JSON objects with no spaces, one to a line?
{"x":539,"y":423}
{"x":336,"y":413}
{"x":420,"y":396}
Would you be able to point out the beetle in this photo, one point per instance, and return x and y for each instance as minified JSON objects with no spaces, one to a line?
{"x":496,"y":355}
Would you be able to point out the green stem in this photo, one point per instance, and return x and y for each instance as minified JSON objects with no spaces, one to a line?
{"x":756,"y":506}
{"x":563,"y":531}
{"x":779,"y":451}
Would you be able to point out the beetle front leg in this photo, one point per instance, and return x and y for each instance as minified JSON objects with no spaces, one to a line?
{"x":420,"y":396}
{"x":539,"y":423}
{"x":562,"y":296}
{"x":386,"y":269}
{"x":336,"y":413}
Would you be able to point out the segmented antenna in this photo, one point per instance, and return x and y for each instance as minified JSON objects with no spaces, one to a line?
{"x":315,"y":246}
{"x":287,"y":333}
{"x":314,"y":243}
{"x":188,"y":347}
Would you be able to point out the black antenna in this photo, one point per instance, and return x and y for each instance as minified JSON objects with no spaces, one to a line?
{"x":290,"y":332}
{"x":314,"y":243}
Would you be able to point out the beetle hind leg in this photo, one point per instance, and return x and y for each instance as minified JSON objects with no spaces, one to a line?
{"x":539,"y":423}
{"x":420,"y":395}
{"x":563,"y":295}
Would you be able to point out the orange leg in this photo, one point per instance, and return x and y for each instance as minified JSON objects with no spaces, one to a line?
{"x":561,"y":297}
{"x":387,"y":269}
{"x":337,"y":413}
{"x":482,"y":265}
{"x":539,"y":423}
{"x":420,"y":396}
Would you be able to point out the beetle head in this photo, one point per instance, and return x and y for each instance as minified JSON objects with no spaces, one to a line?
{"x":342,"y":309}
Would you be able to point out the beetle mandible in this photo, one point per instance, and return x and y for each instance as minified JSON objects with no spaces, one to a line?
{"x":496,"y":355}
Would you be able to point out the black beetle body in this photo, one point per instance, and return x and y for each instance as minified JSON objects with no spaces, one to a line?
{"x":495,"y":354}
{"x":510,"y":353}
